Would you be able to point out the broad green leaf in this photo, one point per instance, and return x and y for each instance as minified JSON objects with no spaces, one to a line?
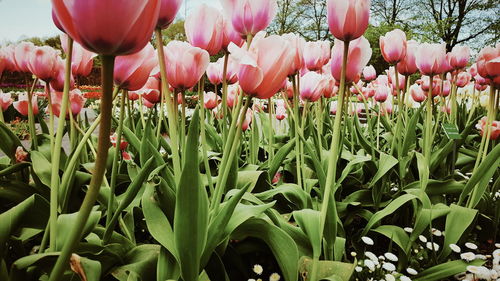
{"x":395,"y":233}
{"x":42,"y":167}
{"x":292,"y":192}
{"x":410,"y":135}
{"x":423,"y":170}
{"x":309,"y":221}
{"x":191,"y":209}
{"x":458,"y":220}
{"x":140,"y":261}
{"x":9,"y":141}
{"x":282,"y":153}
{"x":384,"y":166}
{"x":328,"y":270}
{"x":65,"y":223}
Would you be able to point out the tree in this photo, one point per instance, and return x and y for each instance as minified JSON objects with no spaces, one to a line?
{"x":392,"y":11}
{"x":315,"y":20}
{"x":288,"y":19}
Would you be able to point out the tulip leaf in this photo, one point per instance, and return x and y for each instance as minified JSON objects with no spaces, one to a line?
{"x":457,"y":221}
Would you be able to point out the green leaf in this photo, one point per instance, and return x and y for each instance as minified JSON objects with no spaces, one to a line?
{"x":9,"y":141}
{"x":282,"y":153}
{"x":391,"y":208}
{"x":444,"y":270}
{"x":309,"y":221}
{"x":42,"y":167}
{"x":457,"y":222}
{"x":281,"y":244}
{"x":410,"y":135}
{"x":328,"y":270}
{"x":292,"y":192}
{"x":140,"y":261}
{"x":385,"y":165}
{"x":191,"y":209}
{"x":65,"y":223}
{"x":423,"y":170}
{"x":394,"y":233}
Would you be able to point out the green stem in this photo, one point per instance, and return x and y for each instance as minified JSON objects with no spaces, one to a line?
{"x":296,"y":129}
{"x":332,"y":161}
{"x":224,"y":98}
{"x":56,"y":153}
{"x":397,"y":135}
{"x":428,"y":124}
{"x":204,"y":145}
{"x":75,"y":233}
{"x":271,"y":130}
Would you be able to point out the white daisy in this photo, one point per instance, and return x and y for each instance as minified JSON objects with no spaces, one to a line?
{"x":391,"y":256}
{"x":411,"y":271}
{"x":408,"y":229}
{"x":358,"y":268}
{"x":371,"y":256}
{"x":370,"y":265}
{"x":422,"y":238}
{"x":468,"y":256}
{"x":436,"y":232}
{"x":274,"y":277}
{"x":367,"y":240}
{"x":258,"y":269}
{"x":455,"y":248}
{"x":471,"y":246}
{"x":432,"y":246}
{"x":390,"y":277}
{"x":404,"y":278}
{"x":388,"y":266}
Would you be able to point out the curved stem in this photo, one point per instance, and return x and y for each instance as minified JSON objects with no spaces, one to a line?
{"x":98,"y":174}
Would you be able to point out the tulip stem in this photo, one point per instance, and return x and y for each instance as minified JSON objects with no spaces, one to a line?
{"x":116,"y":160}
{"x":166,"y":97}
{"x":204,"y":145}
{"x":224,"y":98}
{"x":75,"y":233}
{"x":296,"y":128}
{"x":270,"y":106}
{"x":428,"y":124}
{"x":332,"y":163}
{"x":397,"y":134}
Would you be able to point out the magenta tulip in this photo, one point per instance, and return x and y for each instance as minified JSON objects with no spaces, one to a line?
{"x":407,"y":66}
{"x":264,"y":67}
{"x":204,"y":29}
{"x":168,"y":11}
{"x":463,"y":79}
{"x":250,"y":16}
{"x":58,"y":82}
{"x":117,"y":27}
{"x":359,"y":54}
{"x":348,"y":19}
{"x":393,"y":46}
{"x":185,"y":64}
{"x":43,"y":63}
{"x":132,"y":71}
{"x":311,"y":86}
{"x":431,"y":58}
{"x":316,"y":54}
{"x":231,"y":35}
{"x":21,"y":105}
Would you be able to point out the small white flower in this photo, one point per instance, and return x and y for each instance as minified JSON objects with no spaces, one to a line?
{"x":408,"y":229}
{"x":436,"y":232}
{"x":388,"y":266}
{"x":404,"y":278}
{"x":468,"y":256}
{"x":358,"y":268}
{"x":455,"y":248}
{"x":367,"y":240}
{"x":371,"y":256}
{"x":370,"y":265}
{"x":422,"y":238}
{"x":274,"y":277}
{"x":251,"y":279}
{"x":481,"y":272}
{"x":381,"y":258}
{"x":353,"y":254}
{"x":411,"y":271}
{"x":471,"y":246}
{"x":497,"y":245}
{"x":390,"y":277}
{"x":391,"y":256}
{"x":258,"y":269}
{"x":432,"y":246}
{"x":493,"y":274}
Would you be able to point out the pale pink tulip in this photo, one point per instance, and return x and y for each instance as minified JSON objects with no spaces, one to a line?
{"x":8,"y":58}
{"x":446,"y":88}
{"x":76,"y":101}
{"x":264,"y":67}
{"x":316,"y":54}
{"x":463,"y":79}
{"x":369,"y":73}
{"x":250,"y":16}
{"x":231,"y":35}
{"x":58,"y":82}
{"x":417,"y":93}
{"x":248,"y":120}
{"x":393,"y":46}
{"x":211,"y":100}
{"x":215,"y":71}
{"x":391,"y":74}
{"x":493,"y":67}
{"x":233,"y":92}
{"x":329,"y":87}
{"x":281,"y":112}
{"x":460,"y":56}
{"x":407,"y":66}
{"x":43,"y":63}
{"x":22,"y":54}
{"x":168,"y":11}
{"x":21,"y":105}
{"x":486,"y":55}
{"x":381,"y":93}
{"x":185,"y":64}
{"x":5,"y":100}
{"x":21,"y":155}
{"x":151,"y":90}
{"x":112,"y":27}
{"x":333,"y":108}
{"x":311,"y":86}
{"x":132,"y":71}
{"x":495,"y":128}
{"x":204,"y":29}
{"x":357,"y":58}
{"x":82,"y":60}
{"x":431,"y":58}
{"x":297,"y":44}
{"x":348,"y":19}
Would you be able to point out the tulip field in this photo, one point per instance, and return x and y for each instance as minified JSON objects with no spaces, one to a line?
{"x":243,"y":155}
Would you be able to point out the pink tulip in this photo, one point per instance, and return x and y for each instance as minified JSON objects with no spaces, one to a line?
{"x":264,"y":67}
{"x":211,"y":100}
{"x":311,"y":86}
{"x":417,"y":93}
{"x":43,"y":63}
{"x":316,"y":54}
{"x":5,"y":100}
{"x":348,"y":19}
{"x":82,"y":60}
{"x":407,"y":66}
{"x":3,"y":62}
{"x":76,"y":100}
{"x":21,"y":105}
{"x":233,"y":92}
{"x":329,"y":87}
{"x":230,"y":35}
{"x":168,"y":10}
{"x":391,"y":74}
{"x":185,"y":64}
{"x":248,"y":120}
{"x":297,"y":45}
{"x":215,"y":71}
{"x":132,"y":71}
{"x":459,"y":57}
{"x":486,"y":55}
{"x":133,"y":95}
{"x":117,"y":27}
{"x":463,"y":79}
{"x":57,"y":83}
{"x":21,"y":155}
{"x":204,"y":29}
{"x":7,"y":58}
{"x":151,"y":90}
{"x":495,"y":128}
{"x":369,"y":73}
{"x":22,"y":54}
{"x":250,"y":16}
{"x":431,"y":58}
{"x":445,"y":91}
{"x":281,"y":112}
{"x":381,"y":93}
{"x":357,"y":58}
{"x":493,"y":67}
{"x":393,"y":46}
{"x":333,"y":108}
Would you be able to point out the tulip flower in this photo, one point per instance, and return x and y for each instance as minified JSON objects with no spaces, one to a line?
{"x":204,"y":29}
{"x":81,"y":59}
{"x":495,"y":128}
{"x":391,"y":75}
{"x":248,"y":120}
{"x":57,"y":83}
{"x":459,"y":57}
{"x":348,"y":19}
{"x":486,"y":55}
{"x":22,"y":54}
{"x":250,"y":16}
{"x":119,"y":35}
{"x":393,"y":46}
{"x":168,"y":11}
{"x":407,"y":66}
{"x":21,"y":155}
{"x":316,"y":54}
{"x":463,"y":79}
{"x":417,"y":93}
{"x":132,"y":71}
{"x":445,"y":91}
{"x":21,"y":105}
{"x":333,"y":108}
{"x":133,"y":95}
{"x":381,"y":93}
{"x":311,"y":86}
{"x":329,"y":87}
{"x":297,"y":45}
{"x":369,"y":73}
{"x":43,"y":63}
{"x":5,"y":100}
{"x":215,"y":71}
{"x":281,"y":112}
{"x":493,"y":67}
{"x":431,"y":58}
{"x":185,"y":64}
{"x":233,"y":92}
{"x":211,"y":100}
{"x":76,"y":101}
{"x":231,"y":35}
{"x":264,"y":67}
{"x":357,"y":58}
{"x":151,"y":90}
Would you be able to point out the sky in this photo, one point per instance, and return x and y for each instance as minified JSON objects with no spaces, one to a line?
{"x":32,"y":18}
